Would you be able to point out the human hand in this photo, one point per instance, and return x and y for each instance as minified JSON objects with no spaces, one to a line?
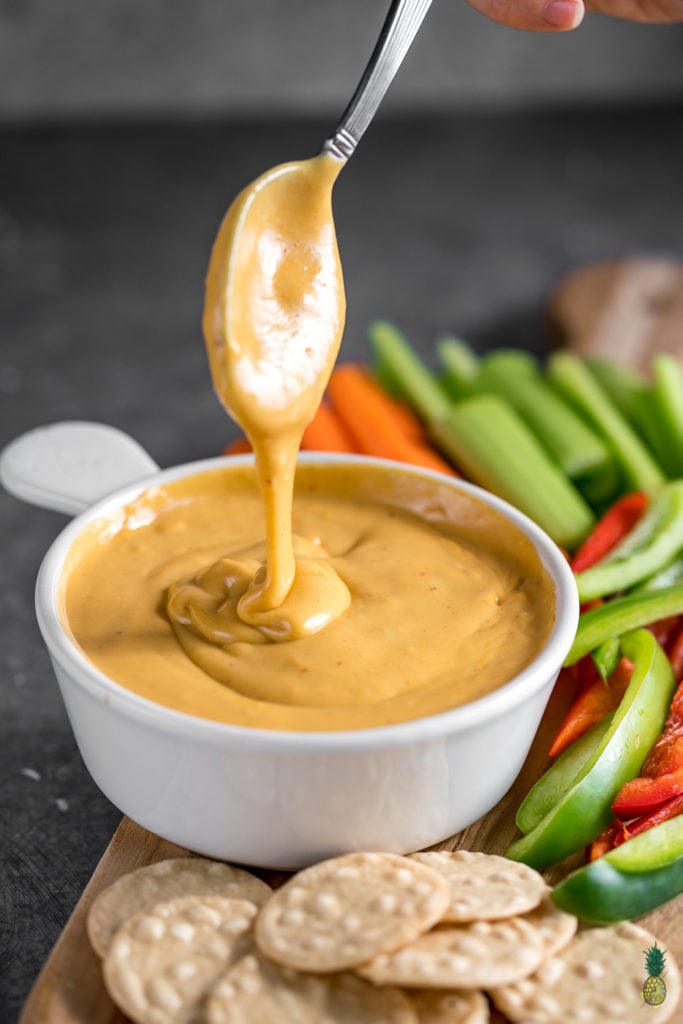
{"x":559,"y":15}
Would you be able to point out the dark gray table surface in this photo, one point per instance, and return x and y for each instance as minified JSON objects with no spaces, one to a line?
{"x":456,"y":224}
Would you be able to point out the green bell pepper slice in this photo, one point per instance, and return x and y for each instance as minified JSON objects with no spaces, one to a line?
{"x":651,"y":545}
{"x":669,"y":576}
{"x":585,"y":808}
{"x":641,"y":874}
{"x":559,"y":778}
{"x":623,"y":614}
{"x":606,"y":657}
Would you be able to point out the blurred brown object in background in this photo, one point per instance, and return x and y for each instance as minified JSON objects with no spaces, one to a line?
{"x":624,"y":310}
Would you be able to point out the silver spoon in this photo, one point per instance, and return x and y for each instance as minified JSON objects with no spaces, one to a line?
{"x":398,"y":31}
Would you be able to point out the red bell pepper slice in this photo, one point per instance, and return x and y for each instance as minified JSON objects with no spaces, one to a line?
{"x":671,"y":809}
{"x":594,"y":702}
{"x":586,"y":673}
{"x":665,"y":631}
{"x":618,"y":832}
{"x":661,"y":776}
{"x":614,"y":525}
{"x":614,"y":835}
{"x":674,"y":650}
{"x":641,"y":795}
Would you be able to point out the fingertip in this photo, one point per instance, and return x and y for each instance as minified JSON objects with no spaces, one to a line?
{"x":533,"y":15}
{"x":563,"y":14}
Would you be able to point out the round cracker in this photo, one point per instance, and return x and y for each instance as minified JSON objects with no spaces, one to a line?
{"x":451,"y":1007}
{"x":597,"y":979}
{"x":555,"y":927}
{"x":257,"y":991}
{"x":469,"y":956}
{"x":485,"y":887}
{"x":162,"y":962}
{"x":166,"y":880}
{"x":343,"y":911}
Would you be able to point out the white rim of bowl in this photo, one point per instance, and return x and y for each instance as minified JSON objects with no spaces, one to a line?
{"x":531,"y":679}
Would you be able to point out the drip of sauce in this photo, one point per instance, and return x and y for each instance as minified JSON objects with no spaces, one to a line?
{"x":273,"y":321}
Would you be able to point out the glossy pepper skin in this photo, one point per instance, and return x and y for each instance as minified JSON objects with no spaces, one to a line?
{"x":641,"y":874}
{"x":585,"y":808}
{"x":559,"y":779}
{"x":616,"y":523}
{"x":599,"y":699}
{"x":622,"y":614}
{"x":661,"y":776}
{"x":645,"y":550}
{"x":619,"y":832}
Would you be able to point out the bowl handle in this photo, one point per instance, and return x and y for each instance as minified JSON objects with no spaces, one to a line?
{"x":69,"y":466}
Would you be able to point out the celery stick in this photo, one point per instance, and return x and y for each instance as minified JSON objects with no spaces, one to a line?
{"x":513,"y":360}
{"x":572,"y":378}
{"x":565,"y":435}
{"x":496,"y":449}
{"x":383,"y":375}
{"x":412,"y":378}
{"x":667,"y":397}
{"x":623,"y":385}
{"x":649,"y":424}
{"x":635,"y":400}
{"x":460,"y":367}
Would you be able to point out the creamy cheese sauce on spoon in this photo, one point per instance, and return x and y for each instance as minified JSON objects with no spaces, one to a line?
{"x":273,"y":321}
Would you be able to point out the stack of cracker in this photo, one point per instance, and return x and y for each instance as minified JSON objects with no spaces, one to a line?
{"x":366,"y":938}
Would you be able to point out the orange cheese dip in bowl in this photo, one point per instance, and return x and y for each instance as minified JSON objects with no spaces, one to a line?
{"x":448,"y":599}
{"x":379,"y":759}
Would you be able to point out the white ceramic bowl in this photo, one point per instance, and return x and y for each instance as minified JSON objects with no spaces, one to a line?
{"x":270,"y":798}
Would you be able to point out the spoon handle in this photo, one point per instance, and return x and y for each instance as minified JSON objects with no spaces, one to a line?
{"x":398,"y":31}
{"x":69,"y":466}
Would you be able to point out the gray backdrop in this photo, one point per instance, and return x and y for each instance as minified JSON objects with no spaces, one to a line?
{"x":451,"y":218}
{"x":127,"y":58}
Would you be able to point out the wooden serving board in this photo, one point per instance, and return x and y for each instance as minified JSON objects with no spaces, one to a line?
{"x":70,"y":989}
{"x":624,"y":310}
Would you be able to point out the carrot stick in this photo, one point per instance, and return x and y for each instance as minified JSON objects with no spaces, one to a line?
{"x":371,"y":419}
{"x":405,"y":417}
{"x":326,"y":432}
{"x":240,"y":446}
